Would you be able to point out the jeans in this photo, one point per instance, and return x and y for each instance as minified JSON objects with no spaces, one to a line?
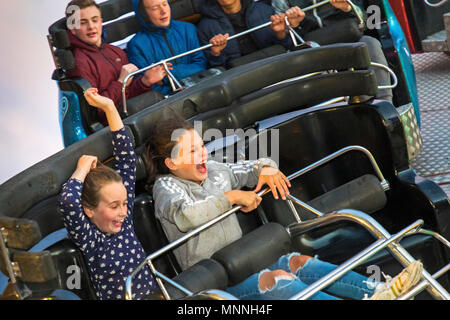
{"x":352,"y":285}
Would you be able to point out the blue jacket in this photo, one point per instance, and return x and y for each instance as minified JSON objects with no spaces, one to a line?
{"x":153,"y":44}
{"x":215,"y":21}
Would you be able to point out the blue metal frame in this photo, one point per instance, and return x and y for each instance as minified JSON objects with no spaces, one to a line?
{"x":404,"y":54}
{"x":70,"y":120}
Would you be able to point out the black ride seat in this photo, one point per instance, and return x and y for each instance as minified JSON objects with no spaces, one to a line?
{"x":115,"y":29}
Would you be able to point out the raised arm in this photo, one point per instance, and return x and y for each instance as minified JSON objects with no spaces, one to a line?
{"x":76,"y":222}
{"x":123,"y":151}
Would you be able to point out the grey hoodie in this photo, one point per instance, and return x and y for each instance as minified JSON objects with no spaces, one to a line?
{"x":182,"y":205}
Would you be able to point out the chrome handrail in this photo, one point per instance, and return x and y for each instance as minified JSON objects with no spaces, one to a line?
{"x":209,"y":45}
{"x":377,"y":231}
{"x":391,"y":72}
{"x":176,"y":243}
{"x":436,"y":235}
{"x":358,"y":15}
{"x":340,"y":152}
{"x":351,"y":263}
{"x":437,"y":4}
{"x":423,"y":284}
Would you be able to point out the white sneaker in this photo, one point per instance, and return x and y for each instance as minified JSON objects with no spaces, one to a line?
{"x":400,"y":284}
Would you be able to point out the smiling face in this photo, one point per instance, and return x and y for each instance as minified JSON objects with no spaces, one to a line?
{"x":112,"y":208}
{"x":90,"y":30}
{"x":158,"y":12}
{"x":188,"y":159}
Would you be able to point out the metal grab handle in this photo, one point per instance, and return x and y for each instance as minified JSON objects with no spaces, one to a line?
{"x":358,"y":15}
{"x":351,"y":263}
{"x":199,"y":229}
{"x":209,"y":45}
{"x":371,"y":225}
{"x":423,"y":284}
{"x":391,"y":72}
{"x":434,"y":5}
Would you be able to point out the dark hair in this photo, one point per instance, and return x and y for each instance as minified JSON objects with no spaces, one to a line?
{"x":94,"y":181}
{"x":81,"y":4}
{"x":159,"y":146}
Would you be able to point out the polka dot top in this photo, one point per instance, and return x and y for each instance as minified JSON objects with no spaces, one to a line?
{"x":109,"y":257}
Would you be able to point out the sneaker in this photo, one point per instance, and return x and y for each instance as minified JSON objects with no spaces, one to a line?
{"x":400,"y":284}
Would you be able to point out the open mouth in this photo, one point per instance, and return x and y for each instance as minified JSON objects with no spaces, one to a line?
{"x":118,"y":222}
{"x":92,"y":34}
{"x":201,"y":168}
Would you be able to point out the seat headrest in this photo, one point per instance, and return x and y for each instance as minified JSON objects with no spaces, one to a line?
{"x":253,"y":252}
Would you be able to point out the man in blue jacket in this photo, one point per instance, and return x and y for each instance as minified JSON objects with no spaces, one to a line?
{"x":160,"y":38}
{"x":224,"y":18}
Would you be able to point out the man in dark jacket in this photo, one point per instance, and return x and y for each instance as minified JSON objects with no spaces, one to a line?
{"x":105,"y":66}
{"x":160,"y":38}
{"x":224,"y":18}
{"x":334,"y":23}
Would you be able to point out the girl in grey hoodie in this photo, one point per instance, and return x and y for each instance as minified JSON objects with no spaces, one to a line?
{"x":189,"y":191}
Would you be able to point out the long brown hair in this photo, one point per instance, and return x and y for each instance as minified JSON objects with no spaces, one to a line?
{"x":159,"y":146}
{"x":96,"y":179}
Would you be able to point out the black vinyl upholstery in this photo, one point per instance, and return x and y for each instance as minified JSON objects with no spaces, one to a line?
{"x":254,"y":252}
{"x":225,"y":88}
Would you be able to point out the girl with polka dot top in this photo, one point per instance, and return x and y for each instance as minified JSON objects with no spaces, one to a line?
{"x":96,"y":204}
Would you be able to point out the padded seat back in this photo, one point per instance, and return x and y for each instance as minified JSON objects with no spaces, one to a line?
{"x":59,"y":267}
{"x":205,"y":274}
{"x":253,"y":252}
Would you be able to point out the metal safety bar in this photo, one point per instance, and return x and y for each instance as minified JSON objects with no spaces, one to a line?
{"x":384,"y":240}
{"x":369,"y":223}
{"x":172,"y":245}
{"x":175,"y":83}
{"x":340,"y":152}
{"x":5,"y":255}
{"x":328,"y":279}
{"x":423,"y":284}
{"x":391,"y":72}
{"x":176,"y":243}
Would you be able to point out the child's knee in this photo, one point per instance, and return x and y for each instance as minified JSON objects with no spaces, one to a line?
{"x":298,"y":261}
{"x":268,"y":279}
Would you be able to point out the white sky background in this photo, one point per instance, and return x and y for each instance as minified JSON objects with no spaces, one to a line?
{"x":29,"y":125}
